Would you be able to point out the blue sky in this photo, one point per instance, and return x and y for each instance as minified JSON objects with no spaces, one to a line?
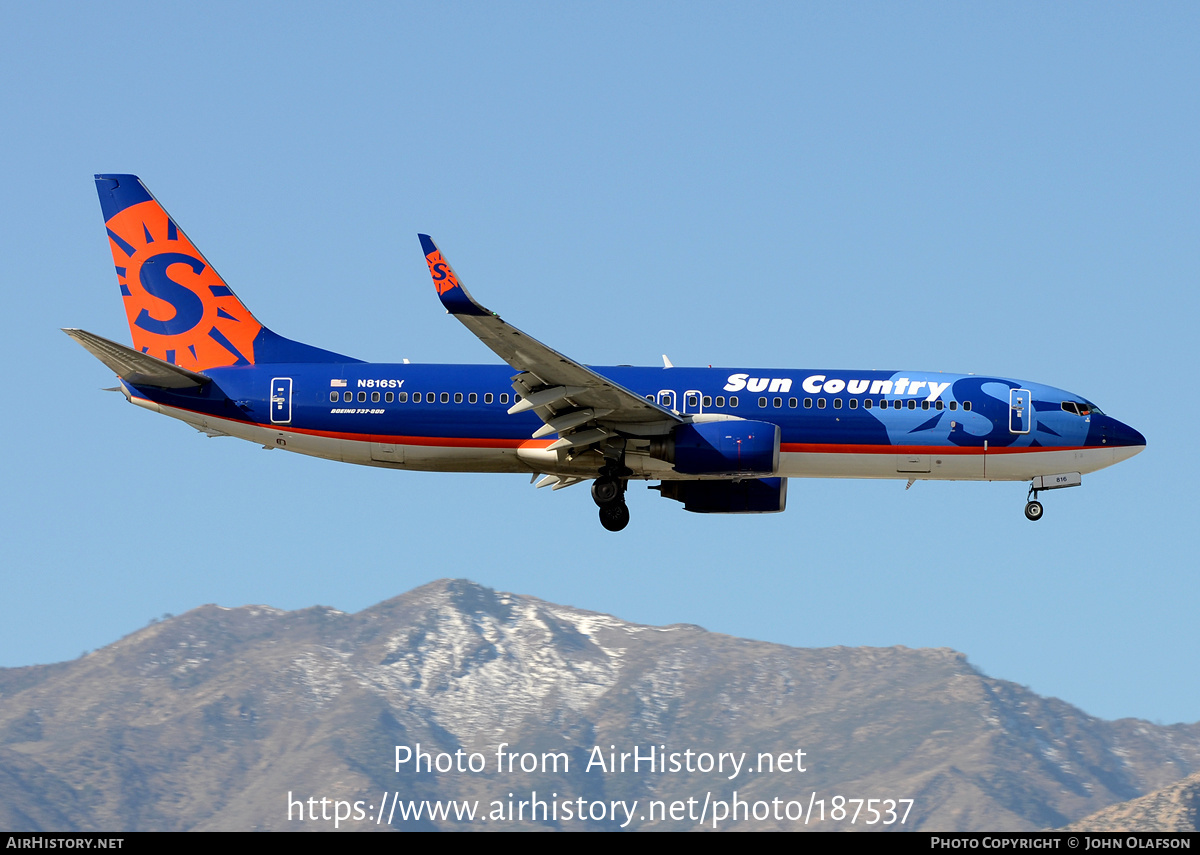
{"x":998,"y":188}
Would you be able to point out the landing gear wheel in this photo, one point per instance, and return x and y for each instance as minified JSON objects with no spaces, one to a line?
{"x":614,"y":516}
{"x":605,"y":491}
{"x":1033,"y":511}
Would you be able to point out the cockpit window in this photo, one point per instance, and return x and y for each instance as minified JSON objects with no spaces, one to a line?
{"x":1080,"y":409}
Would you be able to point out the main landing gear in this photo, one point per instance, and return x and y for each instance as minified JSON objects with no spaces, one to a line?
{"x":615,"y":515}
{"x":608,"y":492}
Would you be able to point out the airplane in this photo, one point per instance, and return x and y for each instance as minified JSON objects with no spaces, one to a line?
{"x":718,"y":440}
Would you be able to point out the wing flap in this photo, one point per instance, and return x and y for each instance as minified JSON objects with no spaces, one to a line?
{"x":549,"y":397}
{"x":567,"y":422}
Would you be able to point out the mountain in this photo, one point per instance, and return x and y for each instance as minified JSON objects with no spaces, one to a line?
{"x":1175,"y":807}
{"x":226,"y":719}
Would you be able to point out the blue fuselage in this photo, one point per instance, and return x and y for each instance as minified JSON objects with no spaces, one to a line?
{"x":825,"y":415}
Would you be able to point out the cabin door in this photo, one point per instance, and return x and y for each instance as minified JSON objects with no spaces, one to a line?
{"x":1020,"y":411}
{"x":281,"y":400}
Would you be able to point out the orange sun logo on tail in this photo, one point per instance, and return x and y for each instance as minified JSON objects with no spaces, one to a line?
{"x":179,"y":309}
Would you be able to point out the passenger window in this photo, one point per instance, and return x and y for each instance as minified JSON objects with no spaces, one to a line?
{"x":430,"y":398}
{"x":347,"y":397}
{"x":954,"y":405}
{"x":473,"y":398}
{"x":720,"y":400}
{"x":503,"y":397}
{"x":693,"y":400}
{"x":389,"y":397}
{"x":837,"y":403}
{"x":924,"y":405}
{"x":792,"y":402}
{"x":402,"y":397}
{"x":733,"y":400}
{"x":897,"y":404}
{"x":912,"y":403}
{"x":333,"y":396}
{"x":362,"y":397}
{"x":967,"y":405}
{"x":445,"y":397}
{"x":707,"y":401}
{"x":374,"y":397}
{"x":939,"y":405}
{"x":820,"y":403}
{"x":854,"y":403}
{"x":868,"y":403}
{"x":487,"y":397}
{"x":762,"y":402}
{"x":808,"y":403}
{"x":458,"y":397}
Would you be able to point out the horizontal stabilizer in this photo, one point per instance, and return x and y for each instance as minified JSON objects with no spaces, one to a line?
{"x":138,"y":369}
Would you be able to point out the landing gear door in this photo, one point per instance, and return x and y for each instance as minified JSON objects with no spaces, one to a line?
{"x":1020,"y":411}
{"x":281,"y":400}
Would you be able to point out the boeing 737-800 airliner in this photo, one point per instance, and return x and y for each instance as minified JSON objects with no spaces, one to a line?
{"x":719,"y":440}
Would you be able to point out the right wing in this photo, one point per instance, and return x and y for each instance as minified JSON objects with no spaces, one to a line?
{"x":584,"y":408}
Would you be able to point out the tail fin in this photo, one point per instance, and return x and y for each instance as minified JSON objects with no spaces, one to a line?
{"x":179,"y":309}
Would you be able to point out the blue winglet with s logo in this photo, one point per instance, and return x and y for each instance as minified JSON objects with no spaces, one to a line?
{"x":456,"y":298}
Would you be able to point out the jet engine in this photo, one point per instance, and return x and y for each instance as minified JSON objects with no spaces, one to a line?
{"x":721,"y":448}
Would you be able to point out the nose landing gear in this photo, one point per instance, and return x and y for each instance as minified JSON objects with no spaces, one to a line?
{"x":1033,"y":508}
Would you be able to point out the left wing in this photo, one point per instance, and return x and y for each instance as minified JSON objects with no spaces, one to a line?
{"x":581,"y":406}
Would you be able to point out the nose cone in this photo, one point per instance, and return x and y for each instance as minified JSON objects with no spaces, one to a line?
{"x":1106,"y":432}
{"x":1125,"y":436}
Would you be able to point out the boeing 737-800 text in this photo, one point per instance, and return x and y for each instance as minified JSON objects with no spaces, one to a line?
{"x":719,"y":440}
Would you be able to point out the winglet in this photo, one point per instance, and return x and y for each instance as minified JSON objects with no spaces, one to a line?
{"x":456,"y":298}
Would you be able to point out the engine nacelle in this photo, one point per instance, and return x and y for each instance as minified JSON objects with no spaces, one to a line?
{"x":721,"y":448}
{"x":750,"y":496}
